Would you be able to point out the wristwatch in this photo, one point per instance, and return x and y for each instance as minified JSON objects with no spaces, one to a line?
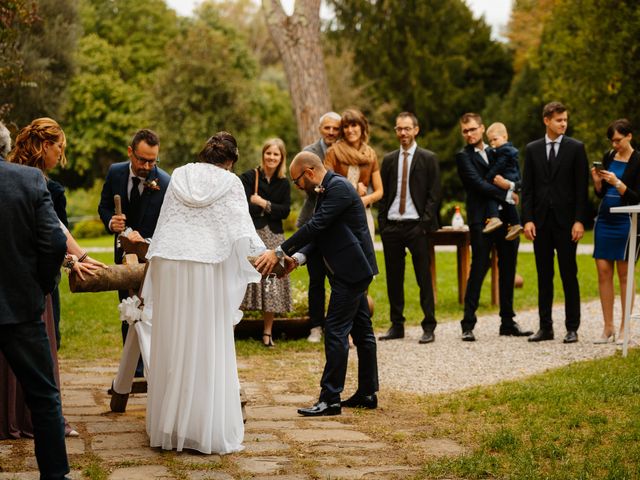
{"x":279,"y":252}
{"x":618,"y":184}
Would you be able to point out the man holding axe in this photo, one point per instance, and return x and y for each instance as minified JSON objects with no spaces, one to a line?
{"x":132,"y":196}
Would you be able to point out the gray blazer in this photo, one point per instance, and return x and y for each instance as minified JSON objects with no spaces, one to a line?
{"x":32,"y":244}
{"x":310,"y":202}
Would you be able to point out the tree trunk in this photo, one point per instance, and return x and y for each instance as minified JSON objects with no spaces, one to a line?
{"x":297,"y":38}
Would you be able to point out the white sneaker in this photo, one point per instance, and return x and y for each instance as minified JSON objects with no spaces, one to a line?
{"x":315,"y":336}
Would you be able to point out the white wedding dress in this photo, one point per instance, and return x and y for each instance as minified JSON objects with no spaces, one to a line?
{"x":198,"y":274}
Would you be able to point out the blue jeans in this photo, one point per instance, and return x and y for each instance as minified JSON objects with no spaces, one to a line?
{"x":26,"y":348}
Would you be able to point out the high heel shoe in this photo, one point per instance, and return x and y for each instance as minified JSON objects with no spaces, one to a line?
{"x":611,"y":338}
{"x":269,"y":343}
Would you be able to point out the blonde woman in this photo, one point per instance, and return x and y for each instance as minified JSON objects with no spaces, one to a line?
{"x":269,"y":195}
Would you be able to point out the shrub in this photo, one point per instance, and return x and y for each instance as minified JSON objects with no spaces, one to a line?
{"x":88,"y":229}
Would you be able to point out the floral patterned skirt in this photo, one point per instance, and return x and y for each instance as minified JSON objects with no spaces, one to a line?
{"x":274,"y":296}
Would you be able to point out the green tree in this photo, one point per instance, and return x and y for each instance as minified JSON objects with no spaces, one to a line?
{"x":210,"y":83}
{"x":111,"y":95}
{"x":37,"y":50}
{"x":429,"y":57}
{"x":591,"y":62}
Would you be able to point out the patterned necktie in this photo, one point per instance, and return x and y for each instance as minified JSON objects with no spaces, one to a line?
{"x":134,"y":204}
{"x":552,"y":153}
{"x":403,"y":186}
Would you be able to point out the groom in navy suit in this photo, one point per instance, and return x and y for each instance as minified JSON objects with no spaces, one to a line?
{"x":339,"y":234}
{"x":141,"y":185}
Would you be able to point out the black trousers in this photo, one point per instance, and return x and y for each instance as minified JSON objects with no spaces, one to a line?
{"x":26,"y":348}
{"x":481,"y":245}
{"x":316,"y":294}
{"x":552,"y":237}
{"x":348,"y":312}
{"x":397,"y":237}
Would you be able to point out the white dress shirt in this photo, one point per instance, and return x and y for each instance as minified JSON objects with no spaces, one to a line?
{"x":410,"y":211}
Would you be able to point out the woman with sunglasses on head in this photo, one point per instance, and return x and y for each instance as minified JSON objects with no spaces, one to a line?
{"x":617,"y":182}
{"x":41,"y":145}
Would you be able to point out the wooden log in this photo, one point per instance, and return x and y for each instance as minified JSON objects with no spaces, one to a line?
{"x":137,"y":248}
{"x":114,"y":277}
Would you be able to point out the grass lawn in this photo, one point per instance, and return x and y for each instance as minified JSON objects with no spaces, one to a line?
{"x":91,"y":329}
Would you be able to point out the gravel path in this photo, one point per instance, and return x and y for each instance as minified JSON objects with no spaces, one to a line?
{"x":450,"y":364}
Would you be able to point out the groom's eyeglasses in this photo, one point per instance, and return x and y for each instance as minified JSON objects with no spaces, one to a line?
{"x":297,"y":179}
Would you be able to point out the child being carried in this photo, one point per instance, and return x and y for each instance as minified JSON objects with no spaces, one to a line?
{"x":506,"y":165}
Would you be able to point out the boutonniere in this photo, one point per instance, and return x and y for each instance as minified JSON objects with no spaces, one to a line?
{"x":152,"y":185}
{"x":318,"y":189}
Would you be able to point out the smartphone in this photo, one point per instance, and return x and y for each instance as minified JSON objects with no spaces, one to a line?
{"x":597,"y":166}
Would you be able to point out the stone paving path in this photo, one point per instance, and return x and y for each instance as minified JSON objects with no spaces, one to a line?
{"x":279,"y":444}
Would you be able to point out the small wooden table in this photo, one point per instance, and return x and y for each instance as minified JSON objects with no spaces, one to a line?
{"x":461,"y":239}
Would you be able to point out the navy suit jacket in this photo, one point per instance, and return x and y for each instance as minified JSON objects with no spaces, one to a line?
{"x":338,"y":231}
{"x":560,"y":189}
{"x":32,"y":244}
{"x":150,"y":202}
{"x":472,"y":170}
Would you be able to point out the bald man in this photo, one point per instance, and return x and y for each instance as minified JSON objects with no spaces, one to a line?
{"x":339,"y":234}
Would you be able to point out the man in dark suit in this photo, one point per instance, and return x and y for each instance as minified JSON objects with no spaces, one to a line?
{"x":32,"y":247}
{"x":338,"y":232}
{"x":141,"y":185}
{"x":473,"y":163}
{"x":407,"y":211}
{"x":554,"y":208}
{"x":329,"y":128}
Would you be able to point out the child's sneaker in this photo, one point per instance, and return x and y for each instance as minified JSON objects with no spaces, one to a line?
{"x":513,"y":232}
{"x":493,"y":223}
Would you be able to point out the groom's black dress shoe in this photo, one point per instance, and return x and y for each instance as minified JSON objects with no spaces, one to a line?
{"x":571,"y":337}
{"x":514,"y":331}
{"x":396,"y":331}
{"x":361,"y":401}
{"x":321,"y":409}
{"x":541,"y":335}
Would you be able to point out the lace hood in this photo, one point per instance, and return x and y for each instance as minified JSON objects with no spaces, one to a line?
{"x":199,"y":184}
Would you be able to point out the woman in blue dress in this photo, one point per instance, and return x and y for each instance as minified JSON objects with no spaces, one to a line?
{"x":616,"y":183}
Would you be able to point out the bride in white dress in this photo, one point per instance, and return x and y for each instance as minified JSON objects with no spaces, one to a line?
{"x":197,"y":277}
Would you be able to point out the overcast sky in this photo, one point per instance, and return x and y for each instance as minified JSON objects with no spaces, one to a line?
{"x":496,"y":12}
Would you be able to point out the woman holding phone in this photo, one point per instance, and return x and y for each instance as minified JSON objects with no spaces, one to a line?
{"x":617,"y":182}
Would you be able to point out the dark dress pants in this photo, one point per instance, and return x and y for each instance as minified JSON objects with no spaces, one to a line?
{"x":348,"y":312}
{"x":397,"y":237}
{"x":550,"y":237}
{"x":316,"y":295}
{"x":26,"y":348}
{"x":481,"y":244}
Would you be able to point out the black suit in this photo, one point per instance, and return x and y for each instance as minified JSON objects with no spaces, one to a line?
{"x":338,"y":232}
{"x":472,"y":170}
{"x":554,"y":197}
{"x":398,"y":235}
{"x":32,"y":247}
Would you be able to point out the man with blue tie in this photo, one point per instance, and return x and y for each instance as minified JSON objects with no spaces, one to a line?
{"x":473,"y":163}
{"x":338,"y":232}
{"x":555,"y":206}
{"x":141,"y":185}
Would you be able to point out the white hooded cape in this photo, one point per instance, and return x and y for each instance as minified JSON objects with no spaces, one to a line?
{"x":198,"y":274}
